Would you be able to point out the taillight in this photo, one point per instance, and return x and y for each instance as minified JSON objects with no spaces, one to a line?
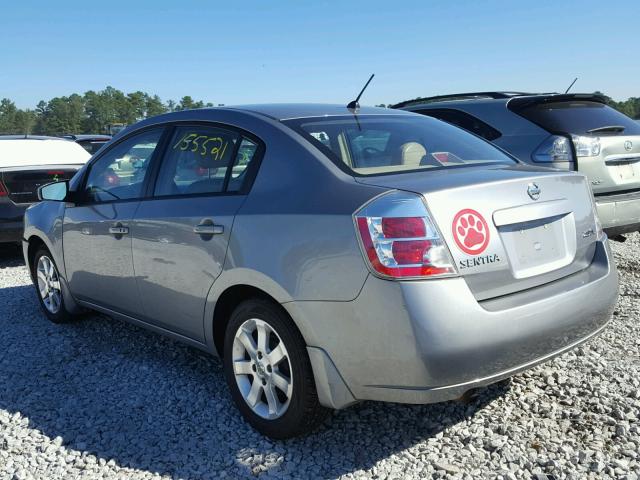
{"x":597,"y":225}
{"x":399,"y":238}
{"x":554,"y":149}
{"x":586,"y":146}
{"x":3,"y":190}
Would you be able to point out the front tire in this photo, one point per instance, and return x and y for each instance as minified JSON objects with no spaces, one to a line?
{"x":48,"y":287}
{"x":268,"y":371}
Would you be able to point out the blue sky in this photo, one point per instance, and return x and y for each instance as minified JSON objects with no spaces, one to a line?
{"x":287,"y":51}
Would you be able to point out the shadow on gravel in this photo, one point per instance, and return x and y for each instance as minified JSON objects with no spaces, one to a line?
{"x":10,"y":255}
{"x":124,"y":394}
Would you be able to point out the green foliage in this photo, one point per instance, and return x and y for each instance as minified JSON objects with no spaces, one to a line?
{"x":91,"y":112}
{"x":630,"y":106}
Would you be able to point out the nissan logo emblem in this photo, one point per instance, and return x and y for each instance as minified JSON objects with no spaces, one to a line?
{"x":534,"y":191}
{"x":628,"y":145}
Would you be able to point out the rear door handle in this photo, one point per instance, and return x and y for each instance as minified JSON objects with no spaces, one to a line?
{"x":118,"y":230}
{"x":208,"y":228}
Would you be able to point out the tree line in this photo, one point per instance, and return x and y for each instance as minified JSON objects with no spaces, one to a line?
{"x":630,"y":106}
{"x":94,"y":112}
{"x":91,"y":112}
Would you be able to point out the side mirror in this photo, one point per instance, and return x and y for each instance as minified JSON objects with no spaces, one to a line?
{"x":55,"y":192}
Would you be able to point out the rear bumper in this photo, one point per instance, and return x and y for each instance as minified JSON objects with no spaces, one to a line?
{"x":619,"y":213}
{"x":430,"y":341}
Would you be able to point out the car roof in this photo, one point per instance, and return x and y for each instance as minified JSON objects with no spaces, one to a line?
{"x":520,"y":98}
{"x":31,"y":137}
{"x":286,"y":111}
{"x":96,"y":137}
{"x":22,"y":152}
{"x":272,"y":111}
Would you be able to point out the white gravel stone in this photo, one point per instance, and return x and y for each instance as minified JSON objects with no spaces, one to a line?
{"x":99,"y":398}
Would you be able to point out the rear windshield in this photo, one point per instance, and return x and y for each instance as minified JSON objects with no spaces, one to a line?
{"x":92,"y":146}
{"x":380,"y":144}
{"x":581,"y":117}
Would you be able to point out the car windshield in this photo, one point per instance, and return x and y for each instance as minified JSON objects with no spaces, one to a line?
{"x":382,"y":144}
{"x":92,"y":146}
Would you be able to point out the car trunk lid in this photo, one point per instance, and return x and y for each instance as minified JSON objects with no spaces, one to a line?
{"x":509,"y":228}
{"x":22,"y":183}
{"x":617,"y":168}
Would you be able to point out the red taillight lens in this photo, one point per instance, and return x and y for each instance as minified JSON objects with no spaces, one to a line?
{"x":402,"y":246}
{"x":404,"y":227}
{"x":3,"y":190}
{"x":410,"y":252}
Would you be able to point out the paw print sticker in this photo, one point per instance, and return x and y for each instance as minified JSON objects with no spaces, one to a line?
{"x":470,"y":231}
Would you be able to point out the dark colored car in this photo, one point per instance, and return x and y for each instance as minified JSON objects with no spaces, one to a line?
{"x":91,"y":143}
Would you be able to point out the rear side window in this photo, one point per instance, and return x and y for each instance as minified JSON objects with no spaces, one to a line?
{"x":247,"y":152}
{"x":382,"y":144}
{"x":580,"y":117}
{"x":202,"y":160}
{"x":464,"y":120}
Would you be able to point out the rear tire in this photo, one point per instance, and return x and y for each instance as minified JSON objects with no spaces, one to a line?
{"x":49,"y":287}
{"x":268,"y":371}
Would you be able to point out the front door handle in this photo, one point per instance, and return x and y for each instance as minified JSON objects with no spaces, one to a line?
{"x":207,"y":227}
{"x":118,"y":230}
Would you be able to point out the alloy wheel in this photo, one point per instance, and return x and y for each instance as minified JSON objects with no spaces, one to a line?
{"x":49,"y":284}
{"x":262,"y":369}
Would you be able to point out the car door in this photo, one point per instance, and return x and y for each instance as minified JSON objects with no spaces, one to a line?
{"x":97,"y":230}
{"x":181,"y":234}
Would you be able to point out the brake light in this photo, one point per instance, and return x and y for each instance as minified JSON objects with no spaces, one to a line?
{"x":554,"y":149}
{"x":597,"y":225}
{"x":586,"y":146}
{"x":399,"y":238}
{"x":3,"y":190}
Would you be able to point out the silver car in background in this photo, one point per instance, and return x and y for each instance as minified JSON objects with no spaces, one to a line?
{"x":328,"y":255}
{"x":575,"y":131}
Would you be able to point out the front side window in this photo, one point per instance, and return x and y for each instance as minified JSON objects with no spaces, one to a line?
{"x":376,"y":144}
{"x":119,"y":174}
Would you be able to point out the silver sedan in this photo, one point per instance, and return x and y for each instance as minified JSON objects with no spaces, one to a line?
{"x":327,"y":254}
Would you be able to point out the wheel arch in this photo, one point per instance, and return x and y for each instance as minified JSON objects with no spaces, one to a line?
{"x":34,"y":243}
{"x":229,"y":290}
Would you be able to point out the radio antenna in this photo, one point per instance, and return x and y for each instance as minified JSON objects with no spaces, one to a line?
{"x":354,"y":105}
{"x":569,"y":87}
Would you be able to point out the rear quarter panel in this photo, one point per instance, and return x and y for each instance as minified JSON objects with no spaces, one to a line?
{"x":295,"y":227}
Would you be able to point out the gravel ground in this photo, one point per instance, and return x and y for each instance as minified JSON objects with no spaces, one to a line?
{"x":102,"y":399}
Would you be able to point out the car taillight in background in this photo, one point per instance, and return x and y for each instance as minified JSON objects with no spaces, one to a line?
{"x":3,"y":190}
{"x":586,"y":146}
{"x":557,"y":148}
{"x":554,"y":149}
{"x":400,"y":239}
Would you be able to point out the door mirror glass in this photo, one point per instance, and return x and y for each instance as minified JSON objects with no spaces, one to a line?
{"x":56,"y":192}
